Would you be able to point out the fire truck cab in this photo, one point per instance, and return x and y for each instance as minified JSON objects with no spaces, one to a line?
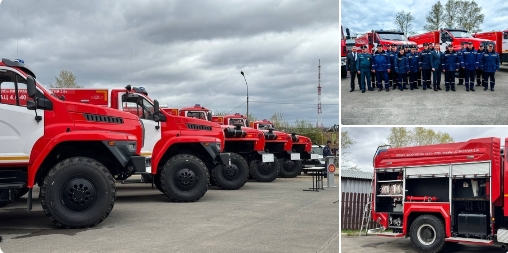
{"x":434,"y":194}
{"x":446,"y":36}
{"x":385,"y":38}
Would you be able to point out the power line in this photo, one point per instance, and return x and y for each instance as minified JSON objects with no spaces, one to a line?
{"x":286,"y":103}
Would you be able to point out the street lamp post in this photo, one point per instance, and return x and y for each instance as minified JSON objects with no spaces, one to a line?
{"x":241,"y":72}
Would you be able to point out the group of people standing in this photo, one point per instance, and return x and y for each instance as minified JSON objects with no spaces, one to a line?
{"x":404,"y":65}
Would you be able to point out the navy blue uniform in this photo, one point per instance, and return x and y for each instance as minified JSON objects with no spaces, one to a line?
{"x":479,"y":71}
{"x":381,"y":64}
{"x":435,"y":63}
{"x":469,"y":63}
{"x":461,"y":70}
{"x":450,"y":64}
{"x":425,"y":65}
{"x":490,"y":63}
{"x":414,"y":67}
{"x":364,"y":65}
{"x":393,"y":74}
{"x":402,"y":68}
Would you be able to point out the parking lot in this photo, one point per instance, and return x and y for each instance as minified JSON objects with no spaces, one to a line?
{"x":379,"y":244}
{"x":418,"y":107}
{"x":260,"y":217}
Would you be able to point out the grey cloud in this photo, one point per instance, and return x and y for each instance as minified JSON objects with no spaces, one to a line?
{"x":186,"y":53}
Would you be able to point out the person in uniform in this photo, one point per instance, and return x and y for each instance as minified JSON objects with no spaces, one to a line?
{"x":435,"y":64}
{"x":351,"y":59}
{"x":381,"y":66}
{"x":461,"y":70}
{"x":490,"y":63}
{"x":402,"y":68}
{"x":479,"y":71}
{"x":372,"y":74}
{"x":470,"y":64}
{"x":364,"y":67}
{"x":450,"y":64}
{"x":393,"y":74}
{"x":414,"y":67}
{"x":425,"y":65}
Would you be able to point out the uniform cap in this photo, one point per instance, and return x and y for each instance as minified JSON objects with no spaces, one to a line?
{"x":363,"y":47}
{"x":379,"y":45}
{"x":393,"y":45}
{"x":470,"y":42}
{"x":425,"y":44}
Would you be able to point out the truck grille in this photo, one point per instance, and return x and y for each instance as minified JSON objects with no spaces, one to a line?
{"x":199,"y":127}
{"x":103,"y":118}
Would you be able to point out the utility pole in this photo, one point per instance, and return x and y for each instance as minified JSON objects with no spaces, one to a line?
{"x":241,"y":72}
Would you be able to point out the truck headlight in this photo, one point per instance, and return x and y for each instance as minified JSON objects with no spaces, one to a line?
{"x":132,"y":147}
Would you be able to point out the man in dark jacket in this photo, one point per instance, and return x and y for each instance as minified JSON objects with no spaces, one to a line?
{"x":479,"y":71}
{"x":450,"y":64}
{"x":470,"y":64}
{"x":351,"y":59}
{"x":393,"y":74}
{"x":435,"y":64}
{"x":364,"y":67}
{"x":402,"y":68}
{"x":425,"y":66}
{"x":381,"y":66}
{"x":490,"y":63}
{"x":414,"y":67}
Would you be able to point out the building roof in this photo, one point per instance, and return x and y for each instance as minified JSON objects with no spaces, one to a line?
{"x":355,"y":174}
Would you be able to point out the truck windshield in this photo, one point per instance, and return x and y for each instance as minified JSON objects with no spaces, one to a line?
{"x":196,"y":114}
{"x":392,"y":36}
{"x":265,"y":126}
{"x":460,"y":34}
{"x":236,"y":122}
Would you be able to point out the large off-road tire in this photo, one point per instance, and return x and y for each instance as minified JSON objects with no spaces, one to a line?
{"x":427,"y":234}
{"x":4,"y":196}
{"x":231,"y":177}
{"x":184,"y":178}
{"x":263,"y":172}
{"x":288,"y":168}
{"x":78,"y":192}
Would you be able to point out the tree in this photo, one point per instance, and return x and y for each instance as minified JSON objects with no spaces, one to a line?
{"x":404,"y":22}
{"x":279,"y":122}
{"x":346,"y":142}
{"x":463,"y":14}
{"x":471,"y":17}
{"x":402,"y":137}
{"x":66,"y":79}
{"x":435,"y":18}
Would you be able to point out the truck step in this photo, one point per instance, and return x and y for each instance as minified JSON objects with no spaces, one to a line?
{"x":469,"y":240}
{"x":390,"y":234}
{"x":11,"y":185}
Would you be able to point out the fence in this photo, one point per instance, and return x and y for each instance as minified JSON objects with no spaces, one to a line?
{"x":352,"y":211}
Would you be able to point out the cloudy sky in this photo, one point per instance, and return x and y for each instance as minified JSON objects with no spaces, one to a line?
{"x":363,"y":16}
{"x":187,"y":52}
{"x":369,"y":138}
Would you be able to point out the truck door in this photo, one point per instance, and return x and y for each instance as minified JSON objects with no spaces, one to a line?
{"x":505,"y":43}
{"x":18,"y":128}
{"x":144,"y":109}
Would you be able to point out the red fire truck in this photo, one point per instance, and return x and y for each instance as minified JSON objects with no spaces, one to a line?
{"x":446,"y":36}
{"x":297,"y":151}
{"x":501,"y":42}
{"x":179,"y":151}
{"x":245,"y":144}
{"x":434,"y":194}
{"x":71,"y":150}
{"x":384,"y":38}
{"x":343,"y":51}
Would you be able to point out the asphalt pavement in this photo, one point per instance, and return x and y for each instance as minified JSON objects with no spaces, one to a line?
{"x":260,"y":217}
{"x":379,"y":244}
{"x":419,"y":107}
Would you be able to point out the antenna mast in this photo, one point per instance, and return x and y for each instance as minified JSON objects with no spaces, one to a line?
{"x":319,"y":123}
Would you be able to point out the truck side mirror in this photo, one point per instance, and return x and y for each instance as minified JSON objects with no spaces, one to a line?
{"x":348,"y":35}
{"x":30,"y":87}
{"x":156,"y":106}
